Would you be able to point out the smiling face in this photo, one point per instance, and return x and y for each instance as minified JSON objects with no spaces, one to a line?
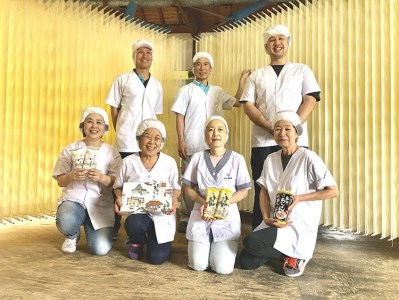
{"x":143,"y":58}
{"x":277,"y":46}
{"x":215,"y":134}
{"x":93,"y":126}
{"x":285,"y":134}
{"x":202,"y":69}
{"x":150,"y":142}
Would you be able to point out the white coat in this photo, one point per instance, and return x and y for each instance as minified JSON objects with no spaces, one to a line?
{"x":197,"y":107}
{"x":231,"y":173}
{"x":305,"y":173}
{"x":272,"y":94}
{"x":136,"y":103}
{"x":165,"y":169}
{"x":92,"y":195}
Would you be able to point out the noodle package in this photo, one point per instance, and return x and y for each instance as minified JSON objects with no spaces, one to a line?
{"x":78,"y":157}
{"x":283,"y":201}
{"x":217,"y":204}
{"x":222,"y":206}
{"x":90,"y":158}
{"x":212,"y":196}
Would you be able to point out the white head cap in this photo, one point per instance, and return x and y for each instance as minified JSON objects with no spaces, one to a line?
{"x":142,"y":43}
{"x":275,"y":30}
{"x":220,"y":119}
{"x":203,"y":55}
{"x":290,"y":116}
{"x":94,"y":110}
{"x":151,"y":123}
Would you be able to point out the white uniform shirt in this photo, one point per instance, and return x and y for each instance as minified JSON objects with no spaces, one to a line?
{"x":136,"y":103}
{"x":305,"y":173}
{"x":197,"y":107}
{"x":231,"y":173}
{"x":92,"y":195}
{"x":272,"y":94}
{"x":165,"y":169}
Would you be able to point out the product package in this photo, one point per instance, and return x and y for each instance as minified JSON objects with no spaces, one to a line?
{"x":283,"y":201}
{"x":222,"y":206}
{"x":212,"y":196}
{"x":217,"y":204}
{"x":78,"y":157}
{"x":90,"y":158}
{"x":154,"y":197}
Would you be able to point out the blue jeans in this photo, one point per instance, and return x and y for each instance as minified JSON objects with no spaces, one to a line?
{"x":140,"y":229}
{"x":258,"y":156}
{"x":71,"y":215}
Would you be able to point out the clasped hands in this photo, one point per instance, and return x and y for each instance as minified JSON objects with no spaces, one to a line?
{"x":82,"y":174}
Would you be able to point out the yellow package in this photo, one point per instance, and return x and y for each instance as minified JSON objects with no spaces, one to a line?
{"x":222,"y":206}
{"x":212,"y":195}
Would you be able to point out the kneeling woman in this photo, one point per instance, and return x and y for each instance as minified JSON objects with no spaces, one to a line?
{"x":213,"y":242}
{"x":301,"y":174}
{"x":155,"y":230}
{"x":86,"y":170}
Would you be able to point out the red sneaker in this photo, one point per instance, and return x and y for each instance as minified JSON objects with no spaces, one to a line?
{"x":294,"y":267}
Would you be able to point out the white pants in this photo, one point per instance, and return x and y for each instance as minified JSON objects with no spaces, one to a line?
{"x":220,"y":256}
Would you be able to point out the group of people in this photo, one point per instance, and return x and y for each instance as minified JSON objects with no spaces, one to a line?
{"x":277,"y":98}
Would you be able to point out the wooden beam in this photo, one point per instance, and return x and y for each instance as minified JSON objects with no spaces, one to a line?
{"x":160,"y":12}
{"x":190,"y":20}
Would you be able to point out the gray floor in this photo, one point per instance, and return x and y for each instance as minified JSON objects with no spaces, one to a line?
{"x":345,"y":266}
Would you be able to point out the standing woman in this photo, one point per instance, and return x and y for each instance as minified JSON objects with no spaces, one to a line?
{"x":213,"y":243}
{"x":302,"y":174}
{"x":86,"y":197}
{"x":157,"y":231}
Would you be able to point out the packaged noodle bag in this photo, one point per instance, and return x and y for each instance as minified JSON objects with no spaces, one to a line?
{"x":151,"y":196}
{"x":90,"y":158}
{"x":212,"y":195}
{"x":222,"y":206}
{"x":78,"y":156}
{"x":283,"y":201}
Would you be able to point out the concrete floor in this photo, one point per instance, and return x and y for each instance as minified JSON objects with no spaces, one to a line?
{"x":344,"y":266}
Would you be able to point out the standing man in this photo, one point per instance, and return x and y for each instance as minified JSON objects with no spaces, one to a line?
{"x":134,"y":97}
{"x":282,"y":85}
{"x":194,"y":104}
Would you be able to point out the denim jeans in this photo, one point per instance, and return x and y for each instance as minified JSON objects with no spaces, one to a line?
{"x":141,"y":230}
{"x":71,"y":215}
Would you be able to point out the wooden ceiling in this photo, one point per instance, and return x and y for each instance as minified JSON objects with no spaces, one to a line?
{"x":190,"y":16}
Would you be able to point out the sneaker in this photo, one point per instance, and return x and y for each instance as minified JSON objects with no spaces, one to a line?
{"x":136,"y":251}
{"x":69,"y":245}
{"x":294,"y":267}
{"x":182,"y":227}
